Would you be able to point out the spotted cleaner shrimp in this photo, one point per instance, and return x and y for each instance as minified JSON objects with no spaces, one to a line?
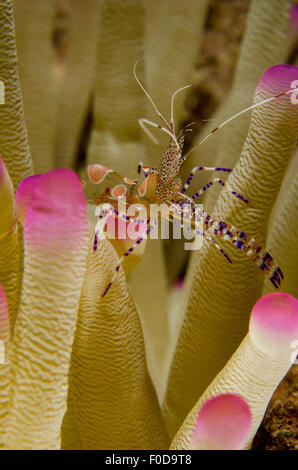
{"x":164,"y":186}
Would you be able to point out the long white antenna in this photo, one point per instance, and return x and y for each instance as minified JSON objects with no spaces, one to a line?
{"x":172,"y":104}
{"x":236,"y":115}
{"x":149,"y":97}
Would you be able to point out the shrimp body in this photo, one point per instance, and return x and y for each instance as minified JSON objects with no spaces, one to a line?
{"x":163,"y":185}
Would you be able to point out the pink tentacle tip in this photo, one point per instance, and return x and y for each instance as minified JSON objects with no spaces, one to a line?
{"x":24,"y":193}
{"x":274,"y":323}
{"x":56,"y":211}
{"x":223,"y":423}
{"x":278,"y":79}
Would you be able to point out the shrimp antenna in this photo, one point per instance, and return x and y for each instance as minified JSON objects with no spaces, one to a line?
{"x":272,"y":98}
{"x":149,"y":97}
{"x":185,"y":129}
{"x":143,"y":123}
{"x":172,"y":104}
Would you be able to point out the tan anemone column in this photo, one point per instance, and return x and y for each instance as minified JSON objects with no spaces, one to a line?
{"x":9,"y":245}
{"x":283,"y":236}
{"x":111,"y":400}
{"x":4,"y":363}
{"x":74,"y":95}
{"x":55,"y":246}
{"x":34,"y":22}
{"x":13,"y":136}
{"x":219,"y":295}
{"x":118,"y":98}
